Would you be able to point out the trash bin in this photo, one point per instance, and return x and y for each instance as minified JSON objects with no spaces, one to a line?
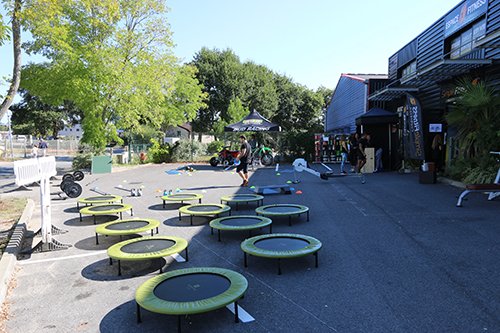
{"x":427,"y":174}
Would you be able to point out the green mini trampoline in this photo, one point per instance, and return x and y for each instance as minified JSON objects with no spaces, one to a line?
{"x":191,"y":291}
{"x":106,"y":209}
{"x":281,"y":246}
{"x":146,"y":248}
{"x":204,"y":210}
{"x":99,"y":199}
{"x":240,"y":223}
{"x":181,"y":197}
{"x":278,"y":210}
{"x":126,"y":227}
{"x":242,"y":198}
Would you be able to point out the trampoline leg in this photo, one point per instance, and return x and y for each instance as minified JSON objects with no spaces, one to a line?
{"x":279,"y":266}
{"x":95,"y":220}
{"x":139,"y":320}
{"x":77,"y":205}
{"x":211,"y":231}
{"x":236,"y":318}
{"x":290,"y":220}
{"x":307,"y":216}
{"x":156,"y":230}
{"x":199,"y":200}
{"x":121,"y":238}
{"x":119,"y":268}
{"x":187,"y":256}
{"x":163,"y":204}
{"x":218,"y":235}
{"x":245,"y":259}
{"x":110,"y":261}
{"x":96,"y":239}
{"x":178,"y":324}
{"x":121,"y":216}
{"x":121,"y":200}
{"x":81,"y":219}
{"x":131,"y":212}
{"x":152,"y":232}
{"x":191,"y":220}
{"x":271,"y":228}
{"x":179,"y":216}
{"x":161,"y":270}
{"x":316,"y":258}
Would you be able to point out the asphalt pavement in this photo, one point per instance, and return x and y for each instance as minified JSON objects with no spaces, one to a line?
{"x":397,"y":256}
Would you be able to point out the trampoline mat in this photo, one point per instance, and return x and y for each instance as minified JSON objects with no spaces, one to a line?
{"x":147,"y":246}
{"x":243,"y":197}
{"x":127,"y":225}
{"x":104,"y":208}
{"x":102,"y":198}
{"x":182,"y":196}
{"x":240,"y":221}
{"x":208,"y":208}
{"x":281,"y":244}
{"x":192,"y":287}
{"x":283,"y":209}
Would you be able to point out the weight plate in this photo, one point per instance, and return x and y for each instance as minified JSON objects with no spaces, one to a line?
{"x":65,"y":183}
{"x":78,"y":175}
{"x":74,"y":190}
{"x":68,"y":176}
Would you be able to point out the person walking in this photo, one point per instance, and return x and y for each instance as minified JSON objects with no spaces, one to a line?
{"x":362,"y":144}
{"x":243,"y":155}
{"x":437,"y":149}
{"x":353,"y":151}
{"x":343,"y":154}
{"x":43,"y":146}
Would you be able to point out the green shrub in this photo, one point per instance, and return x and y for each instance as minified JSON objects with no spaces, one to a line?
{"x":214,"y":147}
{"x":187,"y":150}
{"x":473,"y":170}
{"x":82,"y":161}
{"x":159,"y":153}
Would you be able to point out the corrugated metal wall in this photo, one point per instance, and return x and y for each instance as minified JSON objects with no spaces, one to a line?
{"x":348,"y":103}
{"x":492,"y":73}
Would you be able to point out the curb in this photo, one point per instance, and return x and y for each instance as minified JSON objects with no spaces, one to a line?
{"x":9,"y":257}
{"x":451,"y":182}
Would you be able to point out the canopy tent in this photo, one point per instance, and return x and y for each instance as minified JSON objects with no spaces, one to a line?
{"x":377,"y":116}
{"x":254,"y":122}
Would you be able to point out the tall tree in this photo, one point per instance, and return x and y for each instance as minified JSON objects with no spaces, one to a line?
{"x":114,"y":60}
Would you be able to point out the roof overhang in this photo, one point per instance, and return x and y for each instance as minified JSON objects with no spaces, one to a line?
{"x":445,"y":69}
{"x":390,"y":93}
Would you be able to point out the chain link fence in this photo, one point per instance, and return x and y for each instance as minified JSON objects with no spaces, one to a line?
{"x":22,"y":147}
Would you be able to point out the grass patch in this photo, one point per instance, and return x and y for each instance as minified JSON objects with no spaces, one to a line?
{"x":10,"y":212}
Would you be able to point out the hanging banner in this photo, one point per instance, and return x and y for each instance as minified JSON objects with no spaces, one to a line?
{"x":413,"y":134}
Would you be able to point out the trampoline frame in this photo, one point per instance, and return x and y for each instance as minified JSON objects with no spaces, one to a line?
{"x":146,"y":299}
{"x":186,"y":210}
{"x":249,"y":248}
{"x":117,"y":198}
{"x":231,"y":198}
{"x":114,"y":251}
{"x":102,"y":228}
{"x":125,"y":207}
{"x":260,"y":211}
{"x":216,"y":224}
{"x":171,"y":197}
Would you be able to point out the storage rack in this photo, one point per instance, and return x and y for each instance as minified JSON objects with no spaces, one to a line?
{"x":326,"y":148}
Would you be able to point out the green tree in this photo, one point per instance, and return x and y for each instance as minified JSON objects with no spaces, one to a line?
{"x":113,"y":60}
{"x":235,"y":112}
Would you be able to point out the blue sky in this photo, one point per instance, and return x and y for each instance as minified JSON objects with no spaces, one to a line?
{"x":311,"y":41}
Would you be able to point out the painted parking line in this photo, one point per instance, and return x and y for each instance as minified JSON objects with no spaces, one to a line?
{"x":28,"y":262}
{"x":244,"y":316}
{"x":178,"y":257}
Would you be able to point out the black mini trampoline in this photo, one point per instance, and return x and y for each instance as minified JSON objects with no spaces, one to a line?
{"x":191,"y":291}
{"x":240,"y":223}
{"x":181,"y":197}
{"x":242,"y":198}
{"x":281,"y":246}
{"x":146,"y":248}
{"x":204,"y":210}
{"x":283,"y":210}
{"x":106,"y":209}
{"x":126,"y":227}
{"x":99,"y":199}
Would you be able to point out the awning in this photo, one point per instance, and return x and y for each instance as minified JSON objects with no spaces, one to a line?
{"x":254,"y":122}
{"x":376,"y":116}
{"x":445,"y":69}
{"x":390,"y":93}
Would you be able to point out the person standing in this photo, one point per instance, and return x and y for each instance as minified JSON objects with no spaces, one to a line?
{"x":437,"y":149}
{"x":353,"y":151}
{"x":34,"y":151}
{"x":43,"y":146}
{"x":243,"y":155}
{"x":362,"y":144}
{"x":343,"y":154}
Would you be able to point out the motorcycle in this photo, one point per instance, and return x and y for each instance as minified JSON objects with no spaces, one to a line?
{"x":224,"y":157}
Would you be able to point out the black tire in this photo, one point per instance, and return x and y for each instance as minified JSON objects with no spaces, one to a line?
{"x":74,"y":190}
{"x":65,"y":183}
{"x":68,"y":176}
{"x":214,"y":161}
{"x":267,"y":159}
{"x":78,"y":175}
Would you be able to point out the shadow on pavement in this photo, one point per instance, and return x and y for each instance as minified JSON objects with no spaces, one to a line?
{"x":102,"y":271}
{"x":185,"y":221}
{"x":168,"y":206}
{"x":89,"y":220}
{"x":72,"y":210}
{"x":104,"y":242}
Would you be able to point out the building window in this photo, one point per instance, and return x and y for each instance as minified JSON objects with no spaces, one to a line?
{"x":410,"y":69}
{"x":78,"y":130}
{"x":462,"y":44}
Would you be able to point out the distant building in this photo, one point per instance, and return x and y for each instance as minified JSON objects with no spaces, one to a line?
{"x":185,"y":131}
{"x":350,"y":100}
{"x":71,"y":132}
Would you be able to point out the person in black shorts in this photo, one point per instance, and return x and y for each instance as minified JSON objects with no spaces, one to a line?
{"x":244,"y":154}
{"x":362,"y":144}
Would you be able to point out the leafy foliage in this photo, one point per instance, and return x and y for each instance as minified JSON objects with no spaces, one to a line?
{"x":215,"y":146}
{"x":187,"y":150}
{"x":158,"y":153}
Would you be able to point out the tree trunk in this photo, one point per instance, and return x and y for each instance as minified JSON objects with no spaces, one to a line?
{"x":16,"y":73}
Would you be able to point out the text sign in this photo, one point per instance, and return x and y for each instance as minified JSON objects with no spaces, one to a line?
{"x":463,"y":15}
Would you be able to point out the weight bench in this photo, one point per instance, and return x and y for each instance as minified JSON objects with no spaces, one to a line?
{"x":273,"y":189}
{"x":492,"y":189}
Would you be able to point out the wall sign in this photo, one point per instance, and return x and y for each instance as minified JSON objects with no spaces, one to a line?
{"x":463,"y":15}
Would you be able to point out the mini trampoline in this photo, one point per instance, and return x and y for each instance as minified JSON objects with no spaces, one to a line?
{"x":283,"y":210}
{"x":106,"y":209}
{"x":146,"y":248}
{"x":242,"y":198}
{"x":99,"y":199}
{"x":126,"y":227}
{"x":281,"y":246}
{"x":181,"y":197}
{"x":191,"y":291}
{"x":240,"y":223}
{"x":204,"y":210}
